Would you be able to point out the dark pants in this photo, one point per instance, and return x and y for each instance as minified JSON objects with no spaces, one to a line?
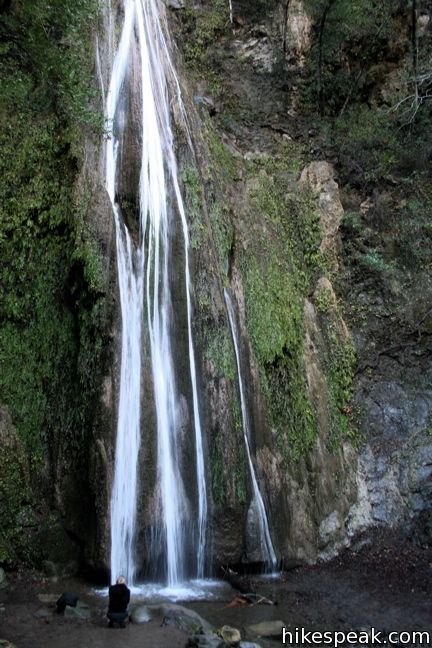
{"x":117,"y":617}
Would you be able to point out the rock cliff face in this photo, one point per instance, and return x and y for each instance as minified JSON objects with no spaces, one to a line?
{"x":320,"y":499}
{"x":334,"y":331}
{"x":241,"y":237}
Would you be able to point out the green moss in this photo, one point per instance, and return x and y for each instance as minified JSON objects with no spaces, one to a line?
{"x":275,"y":323}
{"x":217,"y":472}
{"x":51,"y":277}
{"x":223,"y":163}
{"x":340,"y":374}
{"x":194,"y":200}
{"x":223,"y":170}
{"x":281,"y":261}
{"x":274,"y":310}
{"x":241,"y":475}
{"x":323,"y":300}
{"x":202,"y":28}
{"x":219,"y":351}
{"x":224,"y":460}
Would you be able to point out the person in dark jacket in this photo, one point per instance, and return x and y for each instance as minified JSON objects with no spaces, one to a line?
{"x":119,"y":597}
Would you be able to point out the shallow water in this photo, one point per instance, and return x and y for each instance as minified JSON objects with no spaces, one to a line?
{"x":194,"y":590}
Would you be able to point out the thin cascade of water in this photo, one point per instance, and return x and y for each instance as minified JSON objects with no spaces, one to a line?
{"x":143,"y":271}
{"x":125,"y":484}
{"x":266,"y":541}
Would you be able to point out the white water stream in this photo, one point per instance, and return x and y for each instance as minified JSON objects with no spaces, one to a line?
{"x":143,"y":274}
{"x":269,"y":554}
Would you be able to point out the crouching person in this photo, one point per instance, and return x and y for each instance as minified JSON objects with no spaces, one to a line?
{"x":119,"y":597}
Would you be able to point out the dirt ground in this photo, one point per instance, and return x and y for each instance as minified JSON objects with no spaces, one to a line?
{"x":386,"y":585}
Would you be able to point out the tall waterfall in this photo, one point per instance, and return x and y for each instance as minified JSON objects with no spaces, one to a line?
{"x":264,"y":531}
{"x":145,"y":296}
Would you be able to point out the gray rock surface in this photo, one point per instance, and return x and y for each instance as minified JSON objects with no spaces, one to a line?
{"x":395,"y":467}
{"x":178,"y":616}
{"x":319,"y":177}
{"x":140,"y":614}
{"x":3,"y":578}
{"x":267,"y":628}
{"x":207,"y":640}
{"x":230,"y":635}
{"x":331,"y":529}
{"x":175,"y":4}
{"x":81,"y":611}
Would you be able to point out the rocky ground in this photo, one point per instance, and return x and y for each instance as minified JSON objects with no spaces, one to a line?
{"x":385,"y":584}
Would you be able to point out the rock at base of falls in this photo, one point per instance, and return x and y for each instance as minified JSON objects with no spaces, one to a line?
{"x":182,"y":618}
{"x":173,"y":615}
{"x":140,"y":614}
{"x":230,"y":636}
{"x":267,"y":628}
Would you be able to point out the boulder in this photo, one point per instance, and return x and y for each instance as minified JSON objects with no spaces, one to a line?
{"x":81,"y":611}
{"x":267,"y":628}
{"x":182,"y":618}
{"x":231,"y":636}
{"x":140,"y":614}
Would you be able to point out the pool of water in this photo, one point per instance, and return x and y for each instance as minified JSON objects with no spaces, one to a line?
{"x":194,"y":590}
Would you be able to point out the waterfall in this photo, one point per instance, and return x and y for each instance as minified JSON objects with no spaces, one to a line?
{"x":145,"y":296}
{"x":265,"y":537}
